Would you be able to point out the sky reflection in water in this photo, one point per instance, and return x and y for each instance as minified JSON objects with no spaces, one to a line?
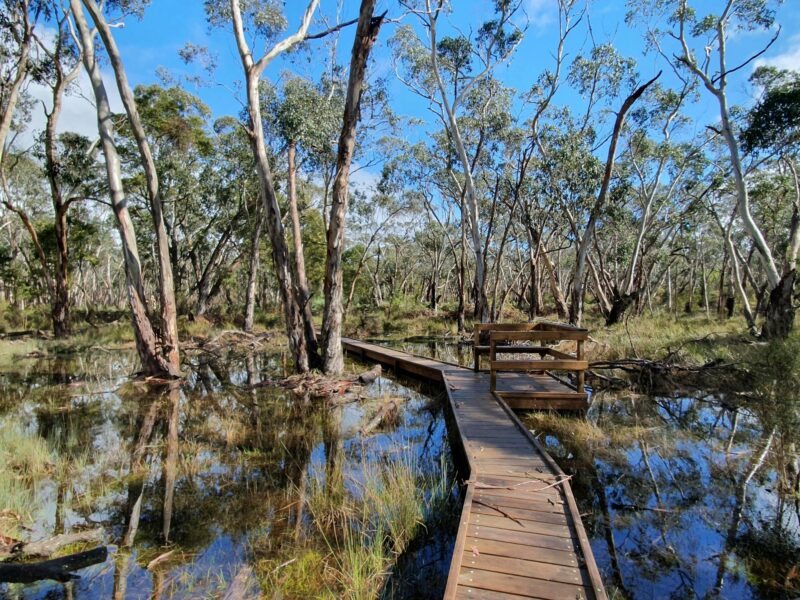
{"x":222,"y":468}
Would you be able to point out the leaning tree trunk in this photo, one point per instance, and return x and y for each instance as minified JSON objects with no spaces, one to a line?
{"x":60,"y":290}
{"x":60,"y":307}
{"x":462,"y":274}
{"x":578,"y":289}
{"x":293,"y":314}
{"x":280,"y":253}
{"x":366,"y":34}
{"x":13,"y":91}
{"x":619,"y":304}
{"x":153,"y":362}
{"x":166,"y":285}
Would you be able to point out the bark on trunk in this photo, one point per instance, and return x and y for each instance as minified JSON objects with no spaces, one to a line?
{"x":576,"y":298}
{"x":293,"y":315}
{"x":303,"y":294}
{"x":780,"y":309}
{"x":19,"y":77}
{"x":462,"y":274}
{"x":619,"y":304}
{"x":252,"y":273}
{"x":366,"y":34}
{"x":59,"y":289}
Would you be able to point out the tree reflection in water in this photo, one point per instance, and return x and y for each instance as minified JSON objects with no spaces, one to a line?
{"x":675,"y":490}
{"x":194,"y":483}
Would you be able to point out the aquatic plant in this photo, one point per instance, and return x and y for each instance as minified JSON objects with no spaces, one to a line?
{"x":24,"y":458}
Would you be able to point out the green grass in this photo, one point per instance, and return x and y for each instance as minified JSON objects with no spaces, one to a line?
{"x":683,"y":339}
{"x":362,"y":526}
{"x":372,"y":527}
{"x":24,"y":460}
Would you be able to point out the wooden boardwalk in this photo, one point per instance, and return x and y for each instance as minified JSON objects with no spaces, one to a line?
{"x":520,"y":533}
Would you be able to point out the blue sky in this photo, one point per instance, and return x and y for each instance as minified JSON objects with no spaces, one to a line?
{"x":153,"y":43}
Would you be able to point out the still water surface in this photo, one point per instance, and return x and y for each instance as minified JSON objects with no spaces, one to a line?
{"x":192,"y":485}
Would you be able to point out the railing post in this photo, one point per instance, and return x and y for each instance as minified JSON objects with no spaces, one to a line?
{"x":492,"y":358}
{"x":579,"y":384}
{"x":476,"y":341}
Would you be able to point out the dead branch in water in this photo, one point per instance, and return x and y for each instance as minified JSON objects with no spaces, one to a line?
{"x":642,"y":372}
{"x":338,"y":391}
{"x":383,"y":414}
{"x":59,"y":569}
{"x":48,"y":547}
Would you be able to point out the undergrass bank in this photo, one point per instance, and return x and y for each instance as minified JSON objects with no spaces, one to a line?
{"x":685,"y":339}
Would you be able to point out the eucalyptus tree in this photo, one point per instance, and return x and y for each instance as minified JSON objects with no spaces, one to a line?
{"x":166,"y":286}
{"x":67,"y":163}
{"x":366,"y":35}
{"x":421,"y":171}
{"x":370,"y":218}
{"x":658,"y":170}
{"x":444,"y":72}
{"x":306,"y":116}
{"x":600,"y":75}
{"x":699,"y":46}
{"x":203,"y":186}
{"x":266,"y":23}
{"x":772,"y":135}
{"x":64,"y":64}
{"x":149,"y":344}
{"x":23,"y":187}
{"x":537,"y":206}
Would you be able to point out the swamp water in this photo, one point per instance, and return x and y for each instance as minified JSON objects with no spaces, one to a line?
{"x":691,"y":496}
{"x":222,"y":478}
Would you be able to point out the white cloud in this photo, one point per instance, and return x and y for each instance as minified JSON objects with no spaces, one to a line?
{"x":77,"y":114}
{"x":541,"y":13}
{"x":790,"y":59}
{"x":364,"y":179}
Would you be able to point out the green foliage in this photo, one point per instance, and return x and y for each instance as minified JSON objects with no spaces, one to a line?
{"x":309,"y":116}
{"x":773,"y":124}
{"x":603,"y":74}
{"x":174,"y":116}
{"x":24,"y":459}
{"x":315,"y":248}
{"x":774,"y":376}
{"x":263,"y":17}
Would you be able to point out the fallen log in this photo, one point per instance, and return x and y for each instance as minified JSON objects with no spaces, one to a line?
{"x":371,"y":375}
{"x":384,"y":411}
{"x":48,"y":547}
{"x":59,"y":569}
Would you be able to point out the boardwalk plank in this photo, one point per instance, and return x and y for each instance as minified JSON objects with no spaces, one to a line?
{"x":532,"y":553}
{"x":501,"y":522}
{"x":482,"y":507}
{"x":515,"y":566}
{"x":468,"y":593}
{"x":523,"y":538}
{"x":514,"y":584}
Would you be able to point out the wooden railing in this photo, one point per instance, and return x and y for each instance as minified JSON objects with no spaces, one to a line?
{"x":504,"y":338}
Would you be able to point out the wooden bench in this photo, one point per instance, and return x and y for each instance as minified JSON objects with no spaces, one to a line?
{"x":535,"y":386}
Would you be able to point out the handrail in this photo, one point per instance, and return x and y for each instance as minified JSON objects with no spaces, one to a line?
{"x":561,"y":361}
